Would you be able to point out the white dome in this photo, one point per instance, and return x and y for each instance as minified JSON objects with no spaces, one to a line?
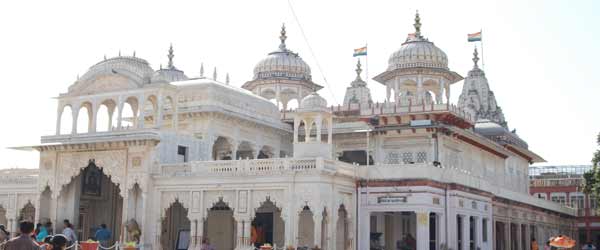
{"x":168,"y":75}
{"x":313,"y":102}
{"x":282,"y":63}
{"x":130,"y":65}
{"x":418,"y":53}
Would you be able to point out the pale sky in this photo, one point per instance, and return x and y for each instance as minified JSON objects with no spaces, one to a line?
{"x":540,"y":56}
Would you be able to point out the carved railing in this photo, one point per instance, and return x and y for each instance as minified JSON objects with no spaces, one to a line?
{"x":256,"y":167}
{"x":390,"y":108}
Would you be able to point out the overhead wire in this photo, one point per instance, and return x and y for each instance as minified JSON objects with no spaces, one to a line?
{"x":311,"y":50}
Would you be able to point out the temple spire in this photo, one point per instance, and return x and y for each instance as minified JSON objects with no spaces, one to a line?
{"x":201,"y":69}
{"x":227,"y":79}
{"x":282,"y":37}
{"x":475,"y":58}
{"x":417,"y":26}
{"x":170,"y":55}
{"x":215,"y":74}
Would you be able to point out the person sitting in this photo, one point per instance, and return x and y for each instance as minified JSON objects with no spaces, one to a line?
{"x":103,"y":235}
{"x":24,"y":241}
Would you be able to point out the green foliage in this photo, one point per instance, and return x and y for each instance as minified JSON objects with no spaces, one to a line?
{"x":592,"y":178}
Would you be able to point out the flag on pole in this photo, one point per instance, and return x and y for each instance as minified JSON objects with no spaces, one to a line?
{"x":360,"y":51}
{"x":475,"y":37}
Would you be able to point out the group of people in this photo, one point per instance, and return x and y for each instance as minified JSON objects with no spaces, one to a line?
{"x":41,"y":237}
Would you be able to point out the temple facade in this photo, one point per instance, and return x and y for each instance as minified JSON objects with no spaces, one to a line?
{"x":167,"y":160}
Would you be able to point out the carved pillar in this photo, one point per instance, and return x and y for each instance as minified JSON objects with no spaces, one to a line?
{"x":110,"y":116}
{"x":397,"y":90}
{"x":159,"y":110}
{"x":330,"y":130}
{"x":140,"y":112}
{"x":439,"y":95}
{"x":422,"y":230}
{"x":387,"y":93}
{"x":93,"y":115}
{"x":120,"y":115}
{"x":420,"y":94}
{"x":243,"y":232}
{"x":479,"y":233}
{"x":58,"y":119}
{"x":296,"y":124}
{"x":175,"y":115}
{"x":74,"y":114}
{"x":319,"y":123}
{"x":318,"y":219}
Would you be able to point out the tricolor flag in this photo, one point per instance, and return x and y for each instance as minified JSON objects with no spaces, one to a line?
{"x":475,"y":37}
{"x":360,"y":51}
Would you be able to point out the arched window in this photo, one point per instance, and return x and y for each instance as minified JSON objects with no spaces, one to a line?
{"x":66,"y":120}
{"x":84,"y":118}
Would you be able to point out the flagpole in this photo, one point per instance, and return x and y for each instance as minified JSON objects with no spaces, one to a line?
{"x":367,"y":63}
{"x":481,"y":41}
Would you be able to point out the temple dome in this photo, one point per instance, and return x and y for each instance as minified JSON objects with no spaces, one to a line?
{"x":282,"y":63}
{"x":168,"y":75}
{"x":417,"y":51}
{"x":130,"y":65}
{"x":313,"y":102}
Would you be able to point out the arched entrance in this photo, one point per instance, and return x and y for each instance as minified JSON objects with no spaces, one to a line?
{"x":91,"y":199}
{"x":27,"y":213}
{"x":268,"y":226}
{"x":342,"y":229}
{"x":306,"y":228}
{"x":219,"y":226}
{"x":174,"y":224}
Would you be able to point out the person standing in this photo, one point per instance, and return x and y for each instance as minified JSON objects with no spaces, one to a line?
{"x":69,"y":233}
{"x":103,"y":235}
{"x":41,"y":233}
{"x":534,"y":244}
{"x":4,"y":235}
{"x":24,"y":241}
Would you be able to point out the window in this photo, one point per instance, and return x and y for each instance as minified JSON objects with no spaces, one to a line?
{"x":392,"y":157}
{"x":559,"y":199}
{"x":576,"y":201}
{"x":421,"y":157}
{"x":182,"y":154}
{"x":407,"y":158}
{"x":484,"y":232}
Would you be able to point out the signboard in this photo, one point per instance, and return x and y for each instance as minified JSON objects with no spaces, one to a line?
{"x":417,"y":123}
{"x":391,"y":199}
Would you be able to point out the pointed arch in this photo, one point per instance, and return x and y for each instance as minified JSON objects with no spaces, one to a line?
{"x":66,"y":120}
{"x":84,"y":118}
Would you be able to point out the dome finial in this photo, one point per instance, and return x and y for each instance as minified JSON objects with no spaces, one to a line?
{"x":358,"y":69}
{"x":227,"y":79}
{"x":215,"y":74}
{"x":201,"y":69}
{"x":417,"y":25}
{"x":170,"y":55}
{"x":282,"y":37}
{"x":475,"y":58}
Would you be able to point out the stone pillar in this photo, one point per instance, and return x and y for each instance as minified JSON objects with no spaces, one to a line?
{"x":479,"y":233}
{"x":58,"y":119}
{"x":296,"y":124}
{"x":110,"y":116}
{"x":289,"y":222}
{"x":420,"y":94}
{"x":175,"y":114}
{"x":330,"y":130}
{"x":364,"y":229}
{"x":387,"y":93}
{"x":157,"y":234}
{"x":94,"y":117}
{"x":465,"y":232}
{"x":243,"y":232}
{"x":422,"y":231}
{"x":441,"y":229}
{"x":75,"y":115}
{"x":159,"y":110}
{"x":508,"y":243}
{"x":318,"y":219}
{"x":319,"y":123}
{"x":120,"y":116}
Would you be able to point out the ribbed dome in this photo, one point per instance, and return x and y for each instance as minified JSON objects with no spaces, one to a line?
{"x":418,"y":53}
{"x":313,"y":102}
{"x":120,"y":64}
{"x":168,"y":75}
{"x":282,"y":63}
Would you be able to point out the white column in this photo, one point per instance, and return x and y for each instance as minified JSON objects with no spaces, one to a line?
{"x":243,"y":232}
{"x":94,"y":117}
{"x":110,"y":116}
{"x":420,"y":94}
{"x":330,"y":130}
{"x":120,"y":116}
{"x":58,"y":120}
{"x":364,"y":229}
{"x":296,"y":124}
{"x":479,"y":233}
{"x":75,"y":114}
{"x":318,"y":219}
{"x":319,"y":123}
{"x":159,"y":110}
{"x":422,"y":231}
{"x":465,"y":232}
{"x":441,"y":229}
